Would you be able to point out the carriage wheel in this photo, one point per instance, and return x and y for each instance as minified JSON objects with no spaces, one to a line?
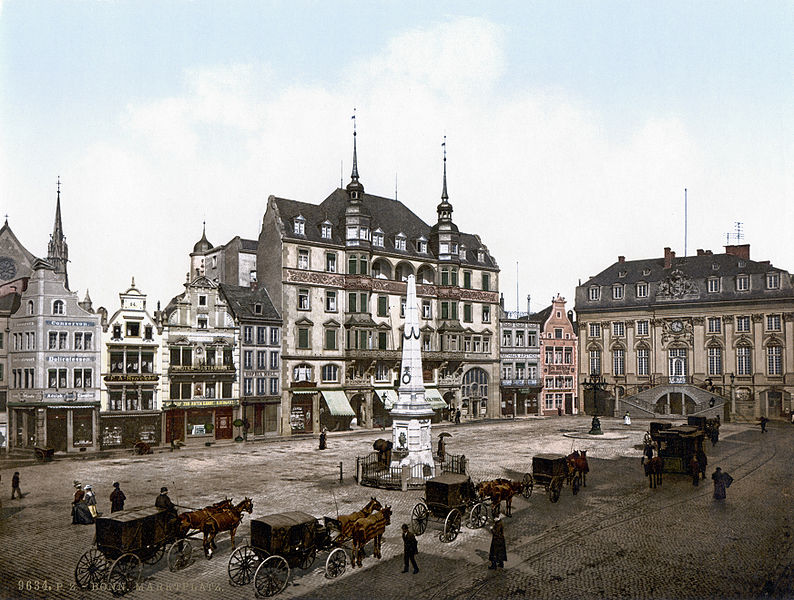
{"x":419,"y":518}
{"x":478,"y":516}
{"x":451,"y":526}
{"x":91,"y":569}
{"x":335,"y":563}
{"x":271,"y":576}
{"x":308,"y":559}
{"x":156,"y":553}
{"x":179,"y":555}
{"x":554,"y":489}
{"x":242,"y":565}
{"x":526,"y":486}
{"x":575,"y":484}
{"x":124,"y":574}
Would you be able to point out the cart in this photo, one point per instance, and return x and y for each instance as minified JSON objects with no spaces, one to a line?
{"x":677,"y":445}
{"x":281,"y":542}
{"x":448,"y":498}
{"x":44,"y":454}
{"x":552,"y":471}
{"x":124,"y":541}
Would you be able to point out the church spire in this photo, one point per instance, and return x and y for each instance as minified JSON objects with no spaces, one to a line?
{"x":354,"y":188}
{"x":57,"y":249}
{"x":444,"y":209}
{"x":444,"y":195}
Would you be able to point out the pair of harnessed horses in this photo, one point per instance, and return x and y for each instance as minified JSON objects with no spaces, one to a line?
{"x":214,"y":519}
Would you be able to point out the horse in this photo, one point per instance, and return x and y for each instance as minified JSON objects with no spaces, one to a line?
{"x":577,"y":464}
{"x":653,"y":470}
{"x":370,"y":528}
{"x":498,"y":490}
{"x":195,"y":519}
{"x":226,"y":519}
{"x":346,"y":522}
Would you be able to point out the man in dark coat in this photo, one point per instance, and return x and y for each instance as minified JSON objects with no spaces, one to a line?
{"x":702,"y":462}
{"x":498,"y":552}
{"x":457,"y":417}
{"x":164,"y":502}
{"x":117,"y":498}
{"x":15,"y":485}
{"x":722,"y":481}
{"x":694,"y":470}
{"x":410,"y":549}
{"x":323,"y":439}
{"x":764,"y":421}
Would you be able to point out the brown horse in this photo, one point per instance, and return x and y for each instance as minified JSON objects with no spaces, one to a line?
{"x":577,"y":464}
{"x":498,"y":490}
{"x":346,"y":522}
{"x":195,"y":519}
{"x":369,"y":528}
{"x":653,"y":470}
{"x":227,"y":519}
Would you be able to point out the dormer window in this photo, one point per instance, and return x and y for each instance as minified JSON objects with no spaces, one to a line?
{"x":257,"y":309}
{"x":642,"y":290}
{"x":713,"y":284}
{"x":772,"y":281}
{"x":742,"y":283}
{"x":421,"y":246}
{"x":742,"y":264}
{"x":463,"y":251}
{"x":363,"y":233}
{"x":377,"y":238}
{"x":299,"y":225}
{"x":617,"y":291}
{"x":325,"y":230}
{"x":594,"y":293}
{"x":480,"y":256}
{"x":646,"y":272}
{"x":399,"y":241}
{"x":622,"y":274}
{"x":715,"y":266}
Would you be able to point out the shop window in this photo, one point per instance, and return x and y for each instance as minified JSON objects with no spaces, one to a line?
{"x":82,"y":428}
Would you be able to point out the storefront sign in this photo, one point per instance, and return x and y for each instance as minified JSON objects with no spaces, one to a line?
{"x":71,"y":323}
{"x":201,"y":403}
{"x":71,"y":358}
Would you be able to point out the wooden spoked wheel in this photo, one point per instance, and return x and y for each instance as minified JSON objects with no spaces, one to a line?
{"x":271,"y":576}
{"x":478,"y":516}
{"x":308,"y":559}
{"x":124,"y":574}
{"x":336,"y":563}
{"x":554,"y":489}
{"x":451,"y":526}
{"x":179,"y":555}
{"x":154,"y":554}
{"x":575,"y":484}
{"x":91,"y":569}
{"x":526,"y":486}
{"x":419,"y":518}
{"x":242,"y":565}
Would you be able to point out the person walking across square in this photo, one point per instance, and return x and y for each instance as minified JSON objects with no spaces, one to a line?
{"x":410,"y":549}
{"x":15,"y":485}
{"x":117,"y":498}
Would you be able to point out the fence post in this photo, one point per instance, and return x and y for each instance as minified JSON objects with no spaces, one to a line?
{"x":406,"y":473}
{"x":359,"y":470}
{"x":340,"y":471}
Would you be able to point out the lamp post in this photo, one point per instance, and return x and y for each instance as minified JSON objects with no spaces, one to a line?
{"x":595,"y":384}
{"x":733,"y":395}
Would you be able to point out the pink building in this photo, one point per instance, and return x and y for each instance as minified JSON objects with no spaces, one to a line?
{"x":558,"y":360}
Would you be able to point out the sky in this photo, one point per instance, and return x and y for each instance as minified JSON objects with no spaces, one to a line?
{"x":572,"y":128}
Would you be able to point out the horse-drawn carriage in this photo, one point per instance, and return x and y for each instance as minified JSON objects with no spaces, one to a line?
{"x":127,"y":539}
{"x":676,"y":445}
{"x":553,"y":470}
{"x":284,"y":541}
{"x":448,"y":498}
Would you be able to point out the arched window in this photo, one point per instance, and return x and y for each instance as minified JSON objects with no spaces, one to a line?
{"x":475,"y":391}
{"x":57,"y":307}
{"x":774,"y":359}
{"x":30,"y":307}
{"x":715,"y":359}
{"x":302,"y":372}
{"x":330,"y":373}
{"x":426,"y":275}
{"x":595,"y":361}
{"x":744,"y":360}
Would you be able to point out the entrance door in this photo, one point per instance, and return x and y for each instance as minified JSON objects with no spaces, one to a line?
{"x":677,"y":365}
{"x":568,"y":404}
{"x":223,"y":423}
{"x":174,"y":425}
{"x":56,"y":429}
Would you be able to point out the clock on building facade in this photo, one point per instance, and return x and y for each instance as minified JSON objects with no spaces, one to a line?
{"x":8,"y":268}
{"x":677,"y":326}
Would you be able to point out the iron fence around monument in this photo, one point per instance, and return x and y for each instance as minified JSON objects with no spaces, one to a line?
{"x":382,"y":470}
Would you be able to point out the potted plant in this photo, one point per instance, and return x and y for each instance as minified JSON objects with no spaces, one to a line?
{"x":238,"y":423}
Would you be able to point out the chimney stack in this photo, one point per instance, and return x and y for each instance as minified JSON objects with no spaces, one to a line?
{"x":669,"y":255}
{"x":621,"y":259}
{"x":739,"y":250}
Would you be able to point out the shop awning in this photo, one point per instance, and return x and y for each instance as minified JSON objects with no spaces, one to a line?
{"x":338,"y":403}
{"x":433,"y":396}
{"x":391,"y":397}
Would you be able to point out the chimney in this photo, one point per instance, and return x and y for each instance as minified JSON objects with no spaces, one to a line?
{"x":529,"y":310}
{"x":621,"y":259}
{"x":253,"y":285}
{"x":669,"y":255}
{"x":739,"y":251}
{"x":701,"y":252}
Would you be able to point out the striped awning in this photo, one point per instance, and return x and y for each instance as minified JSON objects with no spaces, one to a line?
{"x":391,"y":397}
{"x":338,"y":404}
{"x":433,"y":396}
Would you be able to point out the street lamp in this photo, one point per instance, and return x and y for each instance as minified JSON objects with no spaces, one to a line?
{"x":595,"y":384}
{"x":733,"y":395}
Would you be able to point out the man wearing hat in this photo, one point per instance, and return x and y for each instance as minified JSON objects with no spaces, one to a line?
{"x":498,"y":551}
{"x":164,"y":502}
{"x":117,"y":498}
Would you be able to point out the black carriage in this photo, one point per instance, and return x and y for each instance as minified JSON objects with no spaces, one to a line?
{"x":124,"y":541}
{"x":281,"y":542}
{"x":677,"y":445}
{"x":448,"y":498}
{"x":552,"y":471}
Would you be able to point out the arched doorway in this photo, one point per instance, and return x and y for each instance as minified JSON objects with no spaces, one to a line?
{"x":359,"y":405}
{"x":475,"y":392}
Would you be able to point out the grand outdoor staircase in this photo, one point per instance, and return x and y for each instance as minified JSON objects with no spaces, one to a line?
{"x":645,"y":403}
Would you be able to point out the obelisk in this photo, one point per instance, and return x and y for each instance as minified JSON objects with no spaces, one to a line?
{"x":412,"y":413}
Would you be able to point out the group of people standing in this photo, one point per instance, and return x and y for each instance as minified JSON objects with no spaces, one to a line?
{"x":84,"y":506}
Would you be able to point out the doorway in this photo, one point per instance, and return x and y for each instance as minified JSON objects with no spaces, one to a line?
{"x":56,"y":429}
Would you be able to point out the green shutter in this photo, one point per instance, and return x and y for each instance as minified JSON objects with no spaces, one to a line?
{"x":454,"y":310}
{"x":382,"y":306}
{"x":467,"y":279}
{"x":445,"y":310}
{"x":467,"y":313}
{"x":330,"y":339}
{"x":351,"y":302}
{"x":303,"y":338}
{"x":382,"y":340}
{"x":351,"y":265}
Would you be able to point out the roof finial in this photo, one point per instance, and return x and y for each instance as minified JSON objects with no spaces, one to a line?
{"x":354,"y":174}
{"x":59,"y":186}
{"x":444,"y":195}
{"x":133,"y":281}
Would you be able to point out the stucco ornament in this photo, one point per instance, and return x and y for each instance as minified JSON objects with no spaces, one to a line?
{"x":677,"y":285}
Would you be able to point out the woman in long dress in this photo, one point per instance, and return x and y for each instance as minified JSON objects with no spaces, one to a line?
{"x":90,"y":500}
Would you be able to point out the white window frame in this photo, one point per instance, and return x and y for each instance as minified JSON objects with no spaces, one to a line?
{"x":642,"y":290}
{"x":618,"y":361}
{"x":743,"y":283}
{"x":744,"y":360}
{"x":618,"y":329}
{"x":643,"y":361}
{"x":714,"y":360}
{"x":594,"y":293}
{"x":326,"y":230}
{"x":714,"y":325}
{"x":714,"y":285}
{"x":595,"y":330}
{"x":774,"y":359}
{"x":299,"y":225}
{"x":773,"y":323}
{"x":303,"y":258}
{"x":772,"y":281}
{"x":617,"y":291}
{"x":643,"y":328}
{"x":330,"y":301}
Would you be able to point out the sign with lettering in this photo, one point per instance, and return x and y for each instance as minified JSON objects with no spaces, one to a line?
{"x":71,"y":323}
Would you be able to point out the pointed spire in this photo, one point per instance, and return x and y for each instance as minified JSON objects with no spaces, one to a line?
{"x":354,"y":188}
{"x":57,"y":249}
{"x":444,"y":195}
{"x":354,"y":174}
{"x":57,"y":230}
{"x":87,"y":296}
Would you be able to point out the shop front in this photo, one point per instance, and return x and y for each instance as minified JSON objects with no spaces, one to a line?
{"x":119,"y":430}
{"x":301,"y":416}
{"x":65,"y":427}
{"x":336,"y":413}
{"x":198,"y":421}
{"x":262,"y":417}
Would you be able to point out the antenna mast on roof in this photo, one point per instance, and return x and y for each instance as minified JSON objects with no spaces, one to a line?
{"x":685,"y":220}
{"x":736,"y":236}
{"x":518,"y":308}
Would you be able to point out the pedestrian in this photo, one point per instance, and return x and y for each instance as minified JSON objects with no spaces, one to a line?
{"x":323,"y":439}
{"x":442,"y":453}
{"x":764,"y":421}
{"x":702,"y":462}
{"x":15,"y":485}
{"x":498,"y":552}
{"x":694,"y":470}
{"x":79,"y":494}
{"x":410,"y":549}
{"x":117,"y":498}
{"x":90,"y":501}
{"x":627,"y":418}
{"x":722,"y":481}
{"x":457,"y":417}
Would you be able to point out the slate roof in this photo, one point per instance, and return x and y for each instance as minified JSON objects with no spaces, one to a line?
{"x":9,"y":303}
{"x":390,"y":215}
{"x":242,"y":300}
{"x":695,"y":269}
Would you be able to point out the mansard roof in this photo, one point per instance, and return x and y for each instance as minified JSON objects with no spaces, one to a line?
{"x":390,"y":215}
{"x":242,"y":301}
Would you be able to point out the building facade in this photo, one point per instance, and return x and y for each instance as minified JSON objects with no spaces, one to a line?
{"x":558,"y":359}
{"x":336,"y":273}
{"x":680,"y":335}
{"x":521,"y":383}
{"x":131,"y":357}
{"x":260,"y":359}
{"x":200,"y":358}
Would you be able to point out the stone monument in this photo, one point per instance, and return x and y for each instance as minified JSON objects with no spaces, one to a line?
{"x":411,"y":413}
